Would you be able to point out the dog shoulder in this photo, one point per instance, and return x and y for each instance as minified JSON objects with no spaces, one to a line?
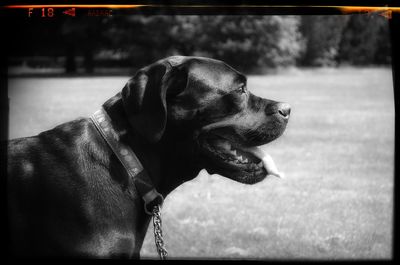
{"x":50,"y":149}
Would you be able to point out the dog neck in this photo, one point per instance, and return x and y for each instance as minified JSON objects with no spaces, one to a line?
{"x":166,"y":165}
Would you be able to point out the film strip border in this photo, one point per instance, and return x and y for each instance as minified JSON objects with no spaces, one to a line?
{"x":110,"y":9}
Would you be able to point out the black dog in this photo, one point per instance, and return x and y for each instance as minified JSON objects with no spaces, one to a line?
{"x":69,"y":195}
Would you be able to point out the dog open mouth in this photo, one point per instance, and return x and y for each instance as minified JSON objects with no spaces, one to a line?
{"x":232,"y":156}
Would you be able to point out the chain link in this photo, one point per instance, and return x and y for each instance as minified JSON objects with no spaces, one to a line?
{"x":158,"y":236}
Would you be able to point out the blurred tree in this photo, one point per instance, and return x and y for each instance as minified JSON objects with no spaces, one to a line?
{"x":69,"y":37}
{"x":140,"y":39}
{"x":365,"y":41}
{"x":383,"y":50}
{"x":39,"y":34}
{"x":83,"y":36}
{"x":322,"y":35}
{"x":185,"y":33}
{"x":249,"y":43}
{"x":246,"y":42}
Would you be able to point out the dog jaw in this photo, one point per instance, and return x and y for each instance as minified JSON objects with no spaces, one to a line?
{"x":244,"y":164}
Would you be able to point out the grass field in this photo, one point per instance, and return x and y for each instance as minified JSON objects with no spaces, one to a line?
{"x":337,"y":154}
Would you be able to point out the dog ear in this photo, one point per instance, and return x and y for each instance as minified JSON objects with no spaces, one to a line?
{"x":144,"y":99}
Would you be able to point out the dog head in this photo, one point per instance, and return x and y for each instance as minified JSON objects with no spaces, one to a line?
{"x":206,"y":103}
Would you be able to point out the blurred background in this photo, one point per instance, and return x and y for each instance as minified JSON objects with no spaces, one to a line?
{"x":253,"y":44}
{"x":337,"y":151}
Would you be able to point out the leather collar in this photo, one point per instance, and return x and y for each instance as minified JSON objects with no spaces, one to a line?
{"x":129,"y":161}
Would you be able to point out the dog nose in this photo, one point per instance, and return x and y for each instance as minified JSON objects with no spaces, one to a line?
{"x":284,"y":110}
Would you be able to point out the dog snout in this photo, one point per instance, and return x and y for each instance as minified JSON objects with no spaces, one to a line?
{"x":284,"y":110}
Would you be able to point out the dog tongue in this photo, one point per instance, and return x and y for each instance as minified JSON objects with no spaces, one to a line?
{"x":267,"y":161}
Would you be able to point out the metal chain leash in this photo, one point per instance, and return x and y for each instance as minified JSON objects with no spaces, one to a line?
{"x":158,"y":236}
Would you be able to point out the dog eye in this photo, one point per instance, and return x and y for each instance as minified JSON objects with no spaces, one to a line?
{"x":242,"y":89}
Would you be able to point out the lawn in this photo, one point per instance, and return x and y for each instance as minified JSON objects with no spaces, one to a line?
{"x":337,"y":153}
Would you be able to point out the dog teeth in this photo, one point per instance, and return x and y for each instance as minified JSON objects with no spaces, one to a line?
{"x":234,"y":152}
{"x":245,"y":160}
{"x":240,"y":158}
